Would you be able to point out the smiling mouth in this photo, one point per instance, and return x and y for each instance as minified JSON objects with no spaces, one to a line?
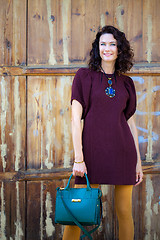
{"x":107,"y":54}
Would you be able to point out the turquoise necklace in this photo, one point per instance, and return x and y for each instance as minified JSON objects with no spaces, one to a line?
{"x":110,"y":92}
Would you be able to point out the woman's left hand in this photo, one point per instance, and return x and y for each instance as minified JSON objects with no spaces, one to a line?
{"x":139,"y":173}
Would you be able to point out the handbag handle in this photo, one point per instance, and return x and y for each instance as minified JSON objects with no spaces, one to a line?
{"x":88,"y":184}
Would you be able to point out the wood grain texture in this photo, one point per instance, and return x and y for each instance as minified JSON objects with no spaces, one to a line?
{"x":67,"y":28}
{"x":146,"y":201}
{"x":13,"y":32}
{"x":12,"y":208}
{"x":142,"y":69}
{"x":147,"y":116}
{"x":106,"y":13}
{"x":129,"y":18}
{"x":151,"y":32}
{"x":42,"y":196}
{"x":53,"y":35}
{"x":13,"y":123}
{"x":61,"y":173}
{"x":49,"y":122}
{"x":78,"y":22}
{"x":41,"y":30}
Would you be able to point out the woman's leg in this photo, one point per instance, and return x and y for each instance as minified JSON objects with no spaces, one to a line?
{"x":123,"y":203}
{"x":73,"y":232}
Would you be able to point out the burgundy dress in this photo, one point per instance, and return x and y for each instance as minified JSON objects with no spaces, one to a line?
{"x":108,"y":145}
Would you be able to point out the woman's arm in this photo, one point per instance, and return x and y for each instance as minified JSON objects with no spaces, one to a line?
{"x":79,"y":167}
{"x":139,"y":172}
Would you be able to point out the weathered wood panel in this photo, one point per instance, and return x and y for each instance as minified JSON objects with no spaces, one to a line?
{"x":41,"y":207}
{"x":62,"y":36}
{"x":13,"y":123}
{"x":147,"y":116}
{"x":78,"y":22}
{"x":151,"y":31}
{"x":13,"y":32}
{"x":142,"y":69}
{"x":42,"y":32}
{"x":146,"y":208}
{"x":49,"y":123}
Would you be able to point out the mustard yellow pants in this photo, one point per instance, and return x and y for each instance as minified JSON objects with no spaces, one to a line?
{"x":123,"y":205}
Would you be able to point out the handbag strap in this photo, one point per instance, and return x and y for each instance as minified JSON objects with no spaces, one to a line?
{"x":94,"y":229}
{"x":75,"y":220}
{"x":78,"y":223}
{"x":88,"y":184}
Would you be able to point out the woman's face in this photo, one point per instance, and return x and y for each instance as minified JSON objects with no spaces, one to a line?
{"x":108,"y":48}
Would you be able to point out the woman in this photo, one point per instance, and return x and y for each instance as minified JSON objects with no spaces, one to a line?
{"x":107,"y":146}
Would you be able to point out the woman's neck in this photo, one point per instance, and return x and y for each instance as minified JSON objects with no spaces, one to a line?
{"x":108,"y":68}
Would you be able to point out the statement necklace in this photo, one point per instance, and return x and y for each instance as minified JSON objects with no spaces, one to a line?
{"x":110,"y":92}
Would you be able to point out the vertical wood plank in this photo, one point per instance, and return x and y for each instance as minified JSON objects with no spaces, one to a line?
{"x":63,"y":31}
{"x":151,"y":33}
{"x":78,"y":31}
{"x":106,"y":13}
{"x":52,"y":19}
{"x":141,"y":122}
{"x":156,"y":118}
{"x":137,"y":208}
{"x":38,"y":32}
{"x":128,"y":18}
{"x":93,"y":22}
{"x":13,"y":32}
{"x":109,"y":221}
{"x":66,"y":25}
{"x":59,"y":33}
{"x":12,"y":208}
{"x":13,"y":123}
{"x":151,"y":207}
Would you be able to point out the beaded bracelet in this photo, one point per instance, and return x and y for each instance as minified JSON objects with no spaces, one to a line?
{"x":79,"y":162}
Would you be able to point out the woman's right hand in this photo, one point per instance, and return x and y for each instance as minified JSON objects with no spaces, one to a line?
{"x":79,"y":169}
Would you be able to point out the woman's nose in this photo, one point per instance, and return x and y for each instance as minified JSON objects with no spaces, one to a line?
{"x":107,"y":47}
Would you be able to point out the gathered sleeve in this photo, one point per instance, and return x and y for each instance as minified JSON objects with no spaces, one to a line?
{"x":81,"y":89}
{"x":132,"y":102}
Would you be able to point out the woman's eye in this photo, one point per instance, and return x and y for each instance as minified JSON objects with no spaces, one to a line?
{"x":113,"y":44}
{"x":102,"y":44}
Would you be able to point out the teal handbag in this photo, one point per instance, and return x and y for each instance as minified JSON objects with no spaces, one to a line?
{"x":79,"y":206}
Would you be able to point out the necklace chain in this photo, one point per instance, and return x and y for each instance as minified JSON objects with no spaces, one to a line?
{"x":110,"y":92}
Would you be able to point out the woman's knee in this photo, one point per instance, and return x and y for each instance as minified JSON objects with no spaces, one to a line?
{"x":124,"y":212}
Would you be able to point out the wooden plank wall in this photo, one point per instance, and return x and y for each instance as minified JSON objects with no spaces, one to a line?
{"x":42,"y":44}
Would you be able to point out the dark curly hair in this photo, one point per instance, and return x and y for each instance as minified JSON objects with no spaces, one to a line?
{"x":124,"y":61}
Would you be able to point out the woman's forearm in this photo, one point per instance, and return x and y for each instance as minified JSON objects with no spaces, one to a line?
{"x":77,"y":139}
{"x":77,"y":130}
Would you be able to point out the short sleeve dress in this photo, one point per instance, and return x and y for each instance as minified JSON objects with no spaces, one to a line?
{"x":108,"y":145}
